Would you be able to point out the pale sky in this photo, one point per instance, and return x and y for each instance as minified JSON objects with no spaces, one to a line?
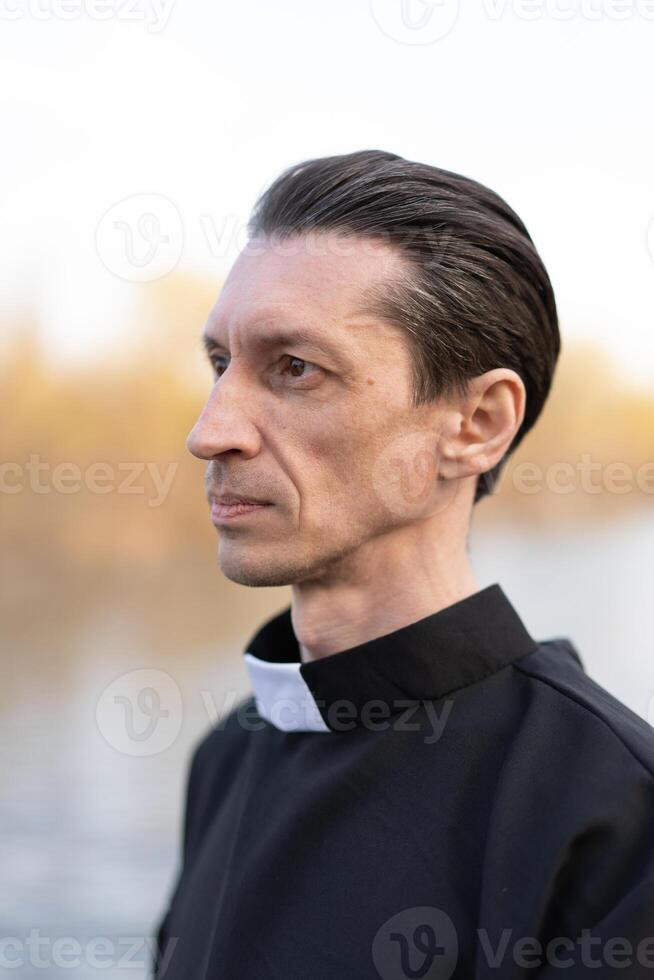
{"x":188,"y":110}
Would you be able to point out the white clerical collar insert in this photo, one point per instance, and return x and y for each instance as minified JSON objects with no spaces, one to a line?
{"x":283,"y":697}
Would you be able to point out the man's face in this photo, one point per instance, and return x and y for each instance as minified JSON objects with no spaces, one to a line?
{"x":305,"y":423}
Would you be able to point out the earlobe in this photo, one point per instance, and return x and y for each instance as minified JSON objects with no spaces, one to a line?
{"x":452,"y":463}
{"x":466,"y":463}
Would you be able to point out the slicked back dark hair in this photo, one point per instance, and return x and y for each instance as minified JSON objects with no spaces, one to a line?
{"x":476,"y":295}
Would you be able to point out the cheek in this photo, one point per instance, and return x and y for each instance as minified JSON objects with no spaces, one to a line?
{"x":322,"y":459}
{"x":331,"y":456}
{"x":340,"y":460}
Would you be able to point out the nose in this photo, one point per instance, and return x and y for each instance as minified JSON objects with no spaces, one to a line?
{"x":222,"y":427}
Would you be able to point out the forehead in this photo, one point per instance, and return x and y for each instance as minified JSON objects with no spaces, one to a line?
{"x":318,"y":278}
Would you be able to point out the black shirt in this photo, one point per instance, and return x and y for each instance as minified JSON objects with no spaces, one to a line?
{"x":454,"y":798}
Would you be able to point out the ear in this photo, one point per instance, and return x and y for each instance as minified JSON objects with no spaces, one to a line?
{"x":479,"y":427}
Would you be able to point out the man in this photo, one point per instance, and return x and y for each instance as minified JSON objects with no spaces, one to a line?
{"x":417,"y":787}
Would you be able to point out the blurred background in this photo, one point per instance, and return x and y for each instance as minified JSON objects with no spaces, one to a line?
{"x":137,"y":137}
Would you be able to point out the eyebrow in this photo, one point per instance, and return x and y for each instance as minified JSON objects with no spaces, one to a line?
{"x":279,"y":338}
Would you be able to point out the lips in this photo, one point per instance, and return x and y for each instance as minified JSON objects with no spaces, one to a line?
{"x":232,"y":500}
{"x":230,"y":506}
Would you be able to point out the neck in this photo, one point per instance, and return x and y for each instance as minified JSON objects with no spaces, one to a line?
{"x":386,"y":584}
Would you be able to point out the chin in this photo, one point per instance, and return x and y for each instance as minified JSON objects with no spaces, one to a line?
{"x":272,"y":566}
{"x":261,"y":573}
{"x":255,"y":578}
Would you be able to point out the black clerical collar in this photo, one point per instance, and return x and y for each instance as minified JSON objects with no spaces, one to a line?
{"x":425,"y":660}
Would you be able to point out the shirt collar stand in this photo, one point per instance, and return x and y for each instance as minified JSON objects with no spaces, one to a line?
{"x":425,"y":660}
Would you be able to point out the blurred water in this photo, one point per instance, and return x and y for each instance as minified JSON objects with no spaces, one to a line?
{"x":593,"y":584}
{"x":91,"y":833}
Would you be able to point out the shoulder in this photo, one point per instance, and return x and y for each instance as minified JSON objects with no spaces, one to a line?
{"x":584,"y":764}
{"x":585,"y":709}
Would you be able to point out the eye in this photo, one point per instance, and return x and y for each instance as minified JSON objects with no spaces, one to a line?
{"x":296,"y":366}
{"x":218,"y":363}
